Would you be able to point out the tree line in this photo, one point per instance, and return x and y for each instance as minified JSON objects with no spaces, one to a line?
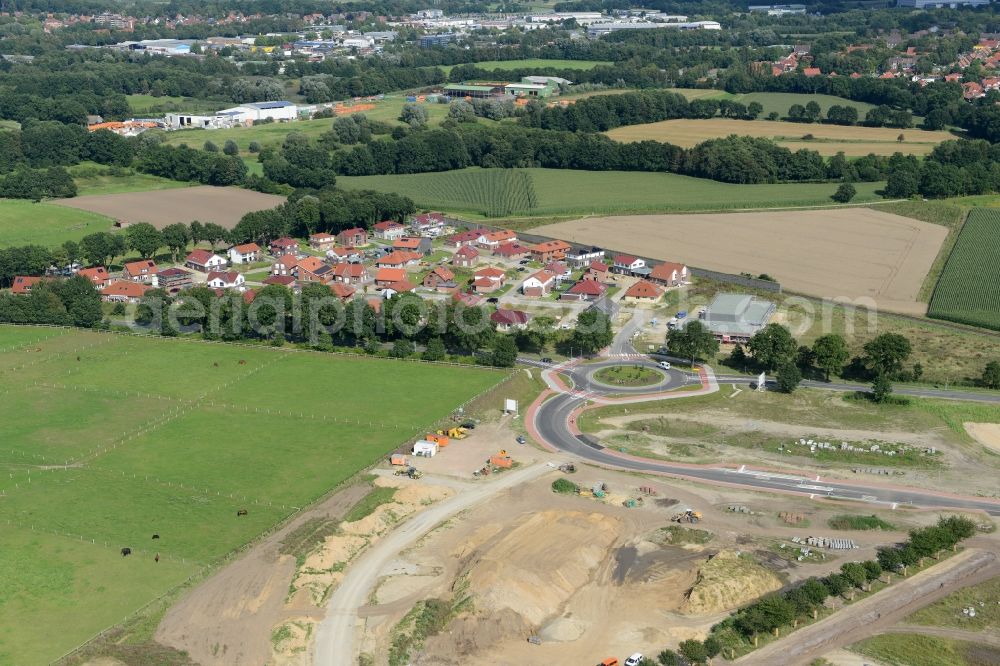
{"x":773,"y":612}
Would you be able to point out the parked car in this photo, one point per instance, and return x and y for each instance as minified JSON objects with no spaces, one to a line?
{"x":610,"y":661}
{"x":546,"y":359}
{"x":634,"y":660}
{"x":492,"y":299}
{"x":524,"y":261}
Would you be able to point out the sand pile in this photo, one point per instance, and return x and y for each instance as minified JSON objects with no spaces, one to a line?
{"x":728,"y":580}
{"x":987,"y":434}
{"x":536,"y":567}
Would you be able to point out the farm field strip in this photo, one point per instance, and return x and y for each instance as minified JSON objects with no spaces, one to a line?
{"x":565,"y":191}
{"x":829,"y":139}
{"x":867,"y":253}
{"x":968,"y":291}
{"x":186,"y":465}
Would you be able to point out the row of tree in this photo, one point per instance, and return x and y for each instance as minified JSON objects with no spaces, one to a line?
{"x":71,"y":302}
{"x":770,"y":614}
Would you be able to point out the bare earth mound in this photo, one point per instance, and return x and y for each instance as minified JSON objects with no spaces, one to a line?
{"x":222,"y":205}
{"x":987,"y":434}
{"x":509,"y":575}
{"x":852,"y":253}
{"x":729,"y":580}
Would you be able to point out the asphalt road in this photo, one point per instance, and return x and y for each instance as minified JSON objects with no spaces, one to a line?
{"x":551,"y":423}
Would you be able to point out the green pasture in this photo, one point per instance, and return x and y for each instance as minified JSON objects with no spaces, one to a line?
{"x":27,"y":223}
{"x":173,"y":437}
{"x":92,"y":178}
{"x":776,"y":102}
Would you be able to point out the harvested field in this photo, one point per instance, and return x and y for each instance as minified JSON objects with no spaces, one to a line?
{"x":222,"y":205}
{"x":854,"y":253}
{"x":828,"y":139}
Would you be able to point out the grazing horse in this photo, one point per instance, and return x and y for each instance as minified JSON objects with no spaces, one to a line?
{"x":157,"y":558}
{"x":241,"y":512}
{"x":126,"y":551}
{"x":242,"y":362}
{"x":156,"y":536}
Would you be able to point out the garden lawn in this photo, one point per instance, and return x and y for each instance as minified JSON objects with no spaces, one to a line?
{"x":173,"y":437}
{"x":27,"y":223}
{"x":568,"y":192}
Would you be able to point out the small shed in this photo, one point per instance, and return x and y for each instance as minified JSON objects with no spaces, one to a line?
{"x":425,"y":449}
{"x":441,"y":440}
{"x":397,"y":459}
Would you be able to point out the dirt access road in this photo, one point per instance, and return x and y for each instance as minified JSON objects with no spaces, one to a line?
{"x":850,"y":252}
{"x":336,"y":638}
{"x":879,"y":612}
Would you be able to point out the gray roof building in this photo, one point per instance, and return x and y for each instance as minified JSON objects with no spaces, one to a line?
{"x":736,"y":317}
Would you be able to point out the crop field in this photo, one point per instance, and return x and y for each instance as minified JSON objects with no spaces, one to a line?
{"x":776,"y":102}
{"x":568,"y":192}
{"x":968,"y":290}
{"x":865,"y":253}
{"x":537,"y":63}
{"x":222,"y":205}
{"x":827,"y":139}
{"x":110,"y":439}
{"x":24,"y":222}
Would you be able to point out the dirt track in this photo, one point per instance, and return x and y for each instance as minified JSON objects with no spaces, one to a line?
{"x":222,"y":205}
{"x":855,"y":252}
{"x":879,"y":612}
{"x":228,"y":619}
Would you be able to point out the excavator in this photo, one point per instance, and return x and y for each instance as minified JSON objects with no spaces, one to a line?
{"x":458,"y":432}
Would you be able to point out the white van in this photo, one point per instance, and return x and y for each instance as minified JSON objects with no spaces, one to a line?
{"x":664,"y":364}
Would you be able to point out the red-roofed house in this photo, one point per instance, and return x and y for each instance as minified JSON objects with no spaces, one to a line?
{"x":488,"y":279}
{"x":954,"y":76}
{"x":398,"y":259}
{"x":398,"y":287}
{"x":492,"y":239}
{"x":226,"y":280}
{"x":173,"y":279}
{"x":430,"y":224}
{"x":465,"y":238}
{"x":507,"y":320}
{"x":438,"y":277}
{"x":584,"y":290}
{"x":643,"y":290}
{"x":811,"y":71}
{"x":247,"y":253}
{"x":466,"y":257}
{"x":284,"y":245}
{"x":353,"y":237}
{"x":538,"y":284}
{"x":342,"y":291}
{"x":467,"y":300}
{"x":350,"y":273}
{"x":204,"y":261}
{"x":991,"y":83}
{"x":598,"y":270}
{"x":313,"y":269}
{"x":389,"y":230}
{"x":627,"y":264}
{"x":123,"y":291}
{"x":23,"y":284}
{"x":98,"y":275}
{"x":670,"y":274}
{"x":284,"y":280}
{"x":511,"y":250}
{"x":140,"y":271}
{"x":386,"y":276}
{"x":339,"y":254}
{"x":972,"y":90}
{"x":284,"y":265}
{"x":418,"y":244}
{"x":322,"y":241}
{"x":553,"y":250}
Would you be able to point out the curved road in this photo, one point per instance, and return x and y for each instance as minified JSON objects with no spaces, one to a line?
{"x":552,"y":423}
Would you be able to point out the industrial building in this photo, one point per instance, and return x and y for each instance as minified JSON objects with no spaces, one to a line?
{"x":736,"y":317}
{"x":528,"y":87}
{"x":777,"y":10}
{"x":601,"y":29}
{"x":443,"y":39}
{"x":941,"y":4}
